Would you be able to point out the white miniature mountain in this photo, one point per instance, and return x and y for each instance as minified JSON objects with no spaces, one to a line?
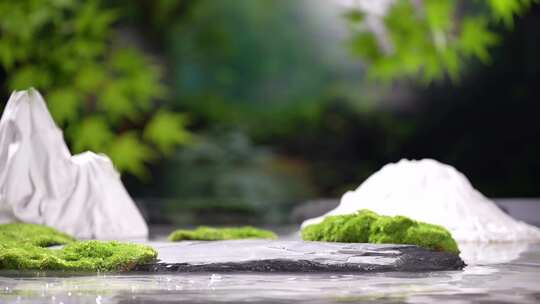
{"x":432,"y":192}
{"x":42,"y":183}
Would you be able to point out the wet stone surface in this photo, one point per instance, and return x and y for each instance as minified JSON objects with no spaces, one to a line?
{"x":296,"y":256}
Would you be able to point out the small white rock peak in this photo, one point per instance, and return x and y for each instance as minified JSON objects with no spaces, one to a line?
{"x":42,"y":183}
{"x":429,"y":191}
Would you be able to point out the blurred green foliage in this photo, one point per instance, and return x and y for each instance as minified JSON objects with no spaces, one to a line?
{"x":275,"y":74}
{"x":99,"y":87}
{"x":259,"y":70}
{"x":236,"y":62}
{"x":431,"y":39}
{"x":220,"y":51}
{"x":224,"y":172}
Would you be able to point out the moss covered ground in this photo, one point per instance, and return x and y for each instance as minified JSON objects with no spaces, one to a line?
{"x":24,"y":247}
{"x":369,"y":227}
{"x":204,"y":233}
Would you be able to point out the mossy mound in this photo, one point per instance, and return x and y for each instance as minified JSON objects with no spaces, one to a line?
{"x":204,"y":233}
{"x":31,"y":234}
{"x":24,"y":247}
{"x":369,"y":227}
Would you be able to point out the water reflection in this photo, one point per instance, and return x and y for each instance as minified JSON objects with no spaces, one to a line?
{"x":511,"y":281}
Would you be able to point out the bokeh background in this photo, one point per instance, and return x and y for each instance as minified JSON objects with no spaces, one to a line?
{"x":237,"y":112}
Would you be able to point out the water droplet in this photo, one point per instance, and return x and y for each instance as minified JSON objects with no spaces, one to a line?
{"x":215,"y":277}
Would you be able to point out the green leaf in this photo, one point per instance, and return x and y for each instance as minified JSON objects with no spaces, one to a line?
{"x":128,"y":61}
{"x":89,"y":78}
{"x":506,"y":9}
{"x":439,"y":14}
{"x":365,"y":45}
{"x":476,"y":38}
{"x":93,"y":133}
{"x":93,"y":19}
{"x":141,"y":77}
{"x":452,"y":63}
{"x":129,"y":154}
{"x":354,"y":16}
{"x":428,"y":41}
{"x":166,"y":130}
{"x":29,"y":76}
{"x":115,"y":102}
{"x":145,"y":86}
{"x":7,"y":53}
{"x":65,"y":49}
{"x":64,"y":105}
{"x":88,"y":49}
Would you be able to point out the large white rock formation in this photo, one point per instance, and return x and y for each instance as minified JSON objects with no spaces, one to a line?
{"x":432,"y":192}
{"x":42,"y":183}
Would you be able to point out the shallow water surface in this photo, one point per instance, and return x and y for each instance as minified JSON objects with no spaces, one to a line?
{"x":512,"y":276}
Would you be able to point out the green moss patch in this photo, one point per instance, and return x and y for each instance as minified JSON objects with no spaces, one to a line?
{"x":32,"y":235}
{"x":24,"y":247}
{"x":204,"y":233}
{"x":369,"y":227}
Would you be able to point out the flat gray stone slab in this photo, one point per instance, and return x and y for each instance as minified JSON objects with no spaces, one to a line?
{"x":296,"y":256}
